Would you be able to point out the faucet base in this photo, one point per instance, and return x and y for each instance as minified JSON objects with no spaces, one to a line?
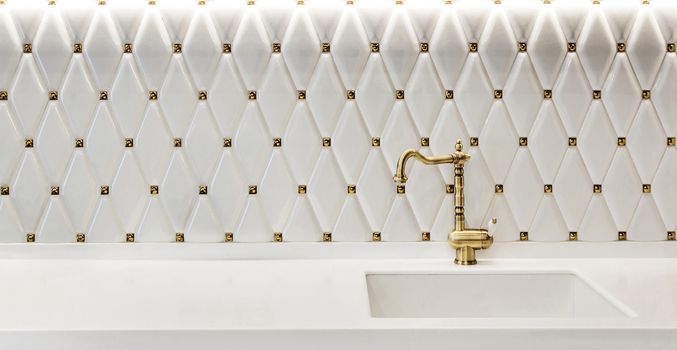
{"x":465,"y":256}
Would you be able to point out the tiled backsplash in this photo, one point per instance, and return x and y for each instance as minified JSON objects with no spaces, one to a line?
{"x":282,"y":120}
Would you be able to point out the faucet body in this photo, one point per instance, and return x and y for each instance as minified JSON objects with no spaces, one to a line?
{"x":464,"y":240}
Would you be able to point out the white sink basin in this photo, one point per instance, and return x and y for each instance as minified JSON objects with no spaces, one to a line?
{"x":487,"y":295}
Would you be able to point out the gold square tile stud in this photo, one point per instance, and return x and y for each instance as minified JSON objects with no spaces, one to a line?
{"x":472,"y":47}
{"x":276,"y":47}
{"x":498,"y":94}
{"x":28,"y":143}
{"x":229,"y":237}
{"x":374,"y":47}
{"x":523,"y":142}
{"x":180,"y":238}
{"x":376,"y":236}
{"x":129,"y":237}
{"x":4,"y":190}
{"x":449,"y":188}
{"x":28,"y":48}
{"x":474,"y":141}
{"x":522,"y":47}
{"x":152,"y":95}
{"x":400,"y":189}
{"x":30,"y":237}
{"x":202,"y":95}
{"x":55,"y":190}
{"x":53,"y":95}
{"x":425,"y":141}
{"x":277,"y":142}
{"x":573,"y":236}
{"x":127,"y":48}
{"x":178,"y":142}
{"x":597,"y":188}
{"x":350,"y":94}
{"x":227,"y":142}
{"x":573,"y":142}
{"x":671,"y":235}
{"x":326,"y":237}
{"x":351,"y":189}
{"x":376,"y":141}
{"x":399,"y":94}
{"x":227,"y":48}
{"x":251,"y":95}
{"x":103,"y":95}
{"x":326,"y":47}
{"x":498,"y":188}
{"x":670,"y":47}
{"x":253,"y":189}
{"x":104,"y":190}
{"x":3,"y":95}
{"x":129,"y":142}
{"x":302,"y":189}
{"x":425,"y":236}
{"x":277,"y":237}
{"x":77,"y":48}
{"x":547,"y":188}
{"x":621,"y":142}
{"x":571,"y":47}
{"x":646,"y":188}
{"x":622,"y":235}
{"x":646,"y":94}
{"x":154,"y":189}
{"x":547,"y":94}
{"x":524,"y":236}
{"x":423,"y":47}
{"x":177,"y":48}
{"x":301,"y":94}
{"x":620,"y":47}
{"x":80,"y":238}
{"x":202,"y":189}
{"x":326,"y":142}
{"x":596,"y":94}
{"x":671,"y":141}
{"x":449,"y":94}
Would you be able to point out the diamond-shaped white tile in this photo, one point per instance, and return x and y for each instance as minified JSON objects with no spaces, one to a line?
{"x":152,"y":48}
{"x":524,"y":189}
{"x":598,"y":224}
{"x":29,"y":95}
{"x":572,"y":94}
{"x":178,"y":191}
{"x":374,"y":15}
{"x":401,"y":224}
{"x":129,"y":191}
{"x":352,"y":224}
{"x":128,"y":97}
{"x":254,"y":226}
{"x":277,"y":191}
{"x":447,"y":130}
{"x":104,"y":145}
{"x":646,"y":141}
{"x":227,"y":96}
{"x":375,"y":189}
{"x":597,"y":141}
{"x":55,"y":227}
{"x":620,"y":16}
{"x":423,"y":16}
{"x":78,"y":16}
{"x":155,"y":225}
{"x":176,"y":16}
{"x":228,"y":191}
{"x":573,"y":189}
{"x":326,"y":95}
{"x":399,"y":48}
{"x":547,"y":47}
{"x":664,"y":188}
{"x":300,"y":48}
{"x":78,"y":97}
{"x":523,"y":94}
{"x":325,"y":16}
{"x":52,"y":48}
{"x":253,"y":144}
{"x":201,"y":48}
{"x":622,"y":188}
{"x":473,"y":94}
{"x":399,"y":134}
{"x":596,"y":48}
{"x":105,"y":225}
{"x":29,"y":191}
{"x":203,"y":225}
{"x":10,"y":230}
{"x":10,"y":48}
{"x":303,"y":225}
{"x":448,"y":48}
{"x":571,"y":16}
{"x":473,"y":16}
{"x":444,"y":221}
{"x":10,"y":144}
{"x":646,"y":224}
{"x":153,"y":145}
{"x":352,"y":142}
{"x":375,"y":95}
{"x":662,"y":96}
{"x":425,"y":191}
{"x":276,"y":16}
{"x":479,"y":188}
{"x":522,"y":17}
{"x":277,"y":96}
{"x":127,"y":16}
{"x":424,"y":94}
{"x":327,"y":189}
{"x":203,"y":144}
{"x":666,"y":16}
{"x":646,"y":47}
{"x":548,"y":142}
{"x":621,"y":94}
{"x":498,"y":142}
{"x":251,"y":48}
{"x":350,"y":48}
{"x":53,"y":144}
{"x":103,"y":49}
{"x":497,"y":48}
{"x":302,"y":143}
{"x":548,"y":224}
{"x":177,"y":97}
{"x":80,"y":192}
{"x":226,"y":16}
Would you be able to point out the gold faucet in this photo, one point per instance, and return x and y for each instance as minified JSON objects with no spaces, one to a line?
{"x":464,"y":240}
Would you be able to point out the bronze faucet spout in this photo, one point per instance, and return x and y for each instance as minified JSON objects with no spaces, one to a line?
{"x":453,"y":158}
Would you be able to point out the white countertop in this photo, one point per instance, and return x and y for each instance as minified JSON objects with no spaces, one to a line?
{"x":58,"y":291}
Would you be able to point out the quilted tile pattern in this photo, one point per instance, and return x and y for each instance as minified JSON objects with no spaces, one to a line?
{"x":282,"y":120}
